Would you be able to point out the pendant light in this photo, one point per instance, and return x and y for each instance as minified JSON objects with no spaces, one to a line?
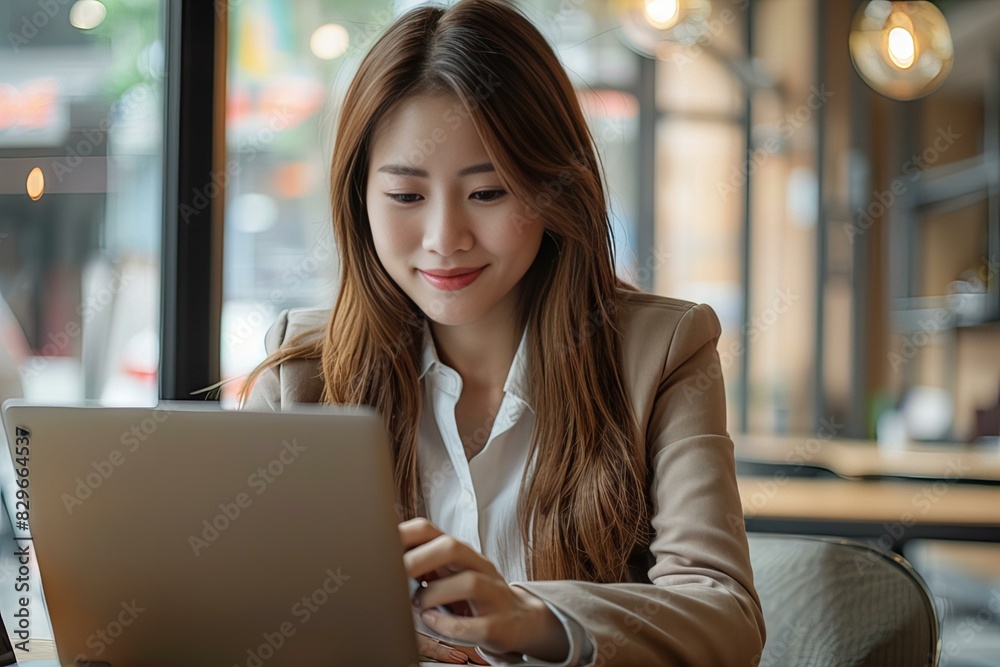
{"x":901,"y":49}
{"x":647,"y":24}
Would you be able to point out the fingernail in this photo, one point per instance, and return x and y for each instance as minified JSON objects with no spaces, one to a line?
{"x":428,"y":616}
{"x":458,"y":655}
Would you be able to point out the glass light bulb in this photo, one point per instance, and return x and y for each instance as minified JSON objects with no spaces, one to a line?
{"x":35,"y":185}
{"x":329,"y":41}
{"x":649,"y":24}
{"x":901,"y":48}
{"x":87,"y":14}
{"x":663,"y":14}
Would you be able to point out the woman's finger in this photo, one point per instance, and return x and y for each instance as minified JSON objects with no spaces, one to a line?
{"x":430,"y":648}
{"x":463,"y":629}
{"x":473,"y":656}
{"x":466,"y":585}
{"x":444,"y":552}
{"x":416,"y":531}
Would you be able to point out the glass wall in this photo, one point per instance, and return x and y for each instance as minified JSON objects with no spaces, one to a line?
{"x":80,"y":199}
{"x":290,"y":64}
{"x":700,"y":178}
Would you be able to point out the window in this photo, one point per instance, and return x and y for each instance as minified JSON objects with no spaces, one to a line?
{"x":80,"y":199}
{"x":289,"y":67}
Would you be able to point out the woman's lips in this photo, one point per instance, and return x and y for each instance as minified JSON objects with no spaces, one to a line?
{"x":451,"y":283}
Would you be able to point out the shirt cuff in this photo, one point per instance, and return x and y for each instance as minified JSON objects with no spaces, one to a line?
{"x":581,"y":647}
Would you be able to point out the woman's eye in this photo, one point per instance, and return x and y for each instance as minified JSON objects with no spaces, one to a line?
{"x":402,"y":198}
{"x":489,"y":195}
{"x":410,"y":198}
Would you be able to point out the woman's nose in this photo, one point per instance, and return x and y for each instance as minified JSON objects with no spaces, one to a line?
{"x":446,"y":230}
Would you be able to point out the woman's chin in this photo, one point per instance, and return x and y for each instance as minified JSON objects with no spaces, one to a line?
{"x":450,"y":318}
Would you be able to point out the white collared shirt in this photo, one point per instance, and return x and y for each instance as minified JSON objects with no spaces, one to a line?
{"x":476,"y":501}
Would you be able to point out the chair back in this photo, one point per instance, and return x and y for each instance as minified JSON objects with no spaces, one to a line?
{"x":830,"y":602}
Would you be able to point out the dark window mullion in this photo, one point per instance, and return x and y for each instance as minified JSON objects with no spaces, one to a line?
{"x":194,"y":150}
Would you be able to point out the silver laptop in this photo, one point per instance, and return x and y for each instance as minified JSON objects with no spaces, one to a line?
{"x":188,"y":535}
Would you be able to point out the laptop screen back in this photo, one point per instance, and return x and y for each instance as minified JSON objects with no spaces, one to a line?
{"x":187,"y":535}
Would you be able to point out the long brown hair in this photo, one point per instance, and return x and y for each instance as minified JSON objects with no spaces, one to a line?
{"x":584,"y":510}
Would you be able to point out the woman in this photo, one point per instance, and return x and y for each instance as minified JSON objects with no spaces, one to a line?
{"x":559,"y":462}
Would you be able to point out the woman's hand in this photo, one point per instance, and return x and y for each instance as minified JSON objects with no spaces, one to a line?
{"x":458,"y":655}
{"x":508,"y":618}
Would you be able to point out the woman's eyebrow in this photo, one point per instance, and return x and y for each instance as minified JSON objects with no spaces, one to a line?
{"x":403,"y":170}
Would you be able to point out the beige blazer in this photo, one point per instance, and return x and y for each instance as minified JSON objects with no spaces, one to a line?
{"x":694,"y":603}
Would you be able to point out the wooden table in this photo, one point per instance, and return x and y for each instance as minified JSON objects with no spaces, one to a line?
{"x":864,"y":459}
{"x":856,"y":490}
{"x":889,"y":512}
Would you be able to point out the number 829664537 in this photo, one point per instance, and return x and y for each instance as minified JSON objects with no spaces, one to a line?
{"x":22,"y":454}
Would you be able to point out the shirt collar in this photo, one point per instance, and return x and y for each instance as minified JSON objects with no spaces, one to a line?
{"x":516,"y":382}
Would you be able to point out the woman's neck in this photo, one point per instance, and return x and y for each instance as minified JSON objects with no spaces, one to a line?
{"x":481,"y":351}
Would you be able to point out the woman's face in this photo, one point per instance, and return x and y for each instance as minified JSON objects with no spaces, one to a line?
{"x":447,"y":232}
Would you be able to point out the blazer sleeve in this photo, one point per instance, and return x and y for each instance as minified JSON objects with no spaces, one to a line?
{"x":700,"y":607}
{"x":265,"y":395}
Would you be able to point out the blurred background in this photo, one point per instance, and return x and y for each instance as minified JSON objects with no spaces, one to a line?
{"x":825,"y":174}
{"x":849,"y":241}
